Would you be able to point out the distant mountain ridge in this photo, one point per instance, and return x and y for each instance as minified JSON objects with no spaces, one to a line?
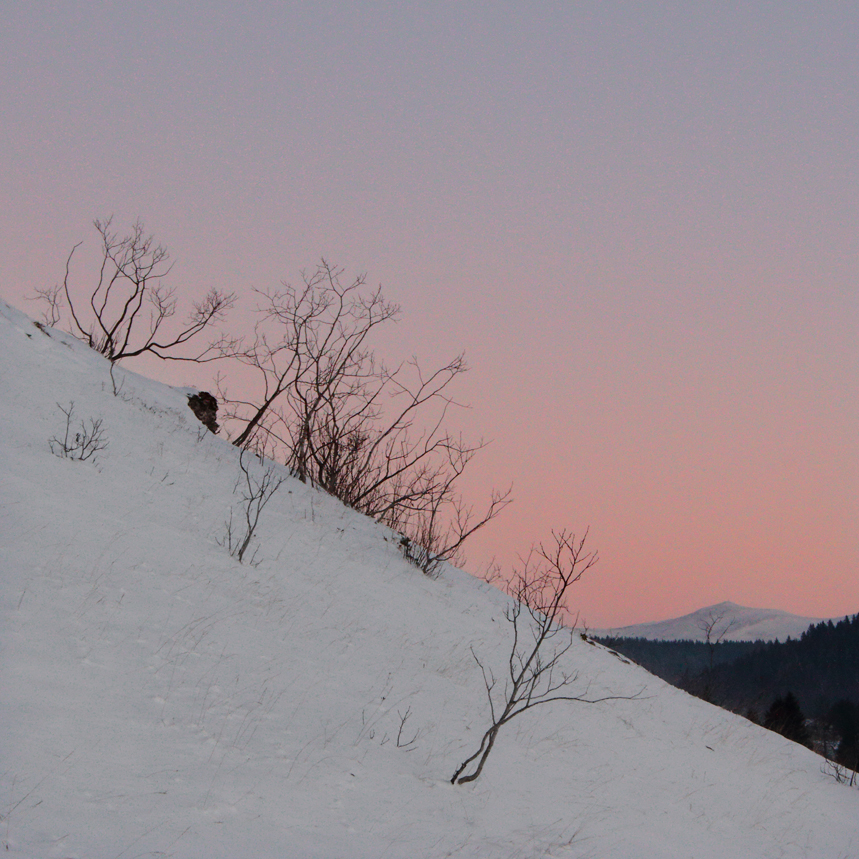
{"x":737,"y":622}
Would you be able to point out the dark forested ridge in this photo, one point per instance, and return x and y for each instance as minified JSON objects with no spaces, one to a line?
{"x":819,"y":668}
{"x":679,"y":661}
{"x":778,"y":684}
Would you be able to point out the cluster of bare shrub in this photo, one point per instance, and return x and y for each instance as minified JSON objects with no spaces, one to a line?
{"x":374,"y":436}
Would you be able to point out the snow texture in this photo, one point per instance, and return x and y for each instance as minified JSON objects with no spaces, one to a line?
{"x":161,"y":699}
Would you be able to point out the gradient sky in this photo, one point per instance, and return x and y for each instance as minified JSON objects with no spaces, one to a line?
{"x":639,"y":220}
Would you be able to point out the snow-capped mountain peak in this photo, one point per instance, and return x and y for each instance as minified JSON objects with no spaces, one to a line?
{"x":725,"y":621}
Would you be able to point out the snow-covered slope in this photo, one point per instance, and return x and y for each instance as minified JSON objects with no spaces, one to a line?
{"x":161,"y":699}
{"x":737,"y":622}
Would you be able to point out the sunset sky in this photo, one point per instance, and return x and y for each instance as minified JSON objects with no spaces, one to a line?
{"x":638,"y":220}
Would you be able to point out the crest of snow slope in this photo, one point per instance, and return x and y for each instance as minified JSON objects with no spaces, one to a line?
{"x":160,"y":699}
{"x":742,"y":624}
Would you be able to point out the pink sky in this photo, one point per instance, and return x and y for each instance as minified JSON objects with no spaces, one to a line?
{"x":639,"y":223}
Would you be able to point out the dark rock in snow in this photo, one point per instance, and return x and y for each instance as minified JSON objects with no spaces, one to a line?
{"x":205,"y":407}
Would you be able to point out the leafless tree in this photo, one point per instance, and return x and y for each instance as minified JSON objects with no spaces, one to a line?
{"x":256,"y":485}
{"x":709,"y":625}
{"x":543,"y":632}
{"x":344,"y":421}
{"x":130,"y":301}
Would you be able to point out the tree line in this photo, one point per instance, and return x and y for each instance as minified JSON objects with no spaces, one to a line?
{"x":777,"y":684}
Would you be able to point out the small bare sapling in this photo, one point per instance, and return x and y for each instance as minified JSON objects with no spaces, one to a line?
{"x":841,"y":773}
{"x":82,"y":444}
{"x":256,"y":485}
{"x":543,"y":633}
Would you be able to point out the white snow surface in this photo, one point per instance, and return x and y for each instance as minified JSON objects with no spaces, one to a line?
{"x":731,"y":622}
{"x":161,"y":699}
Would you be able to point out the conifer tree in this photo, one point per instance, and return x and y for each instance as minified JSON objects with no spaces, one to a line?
{"x":785,"y":717}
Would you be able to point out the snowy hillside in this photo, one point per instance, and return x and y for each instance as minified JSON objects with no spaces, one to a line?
{"x":162,"y":699}
{"x":738,"y":622}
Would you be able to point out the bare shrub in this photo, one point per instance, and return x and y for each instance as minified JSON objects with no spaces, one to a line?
{"x":442,"y":526}
{"x":82,"y":444}
{"x":543,"y":632}
{"x":256,"y":485}
{"x":372,"y":436}
{"x":125,"y":309}
{"x":841,"y":773}
{"x":52,"y":299}
{"x":405,"y":739}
